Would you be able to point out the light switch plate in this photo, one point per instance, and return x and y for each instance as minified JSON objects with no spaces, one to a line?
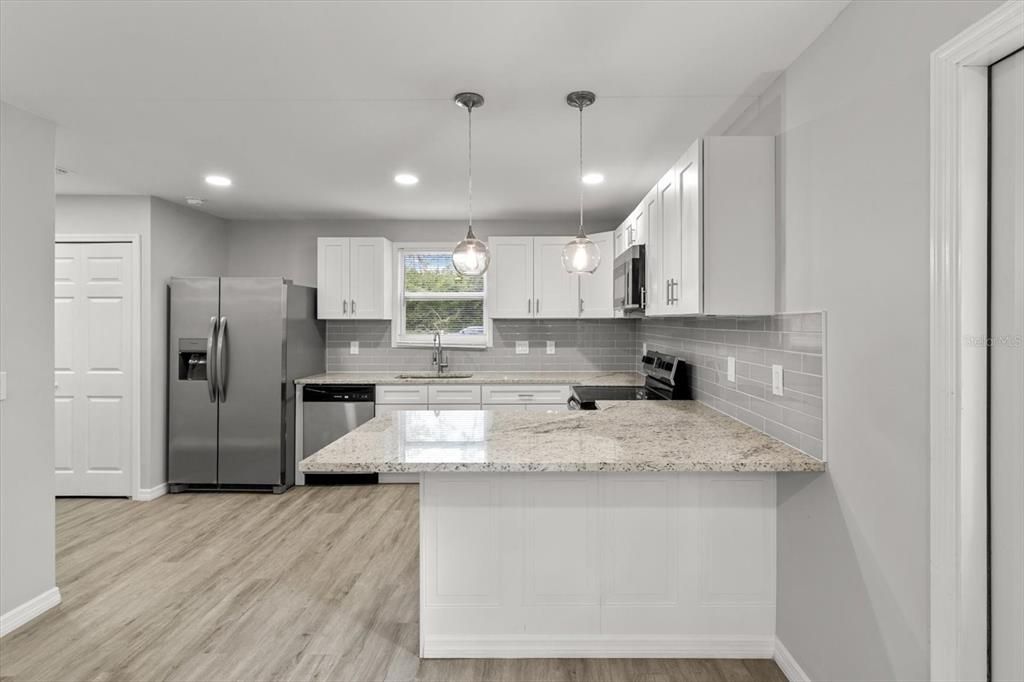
{"x":522,"y":347}
{"x":551,"y":347}
{"x":3,"y":385}
{"x":353,"y":348}
{"x":731,"y":369}
{"x":776,"y":379}
{"x":644,"y":351}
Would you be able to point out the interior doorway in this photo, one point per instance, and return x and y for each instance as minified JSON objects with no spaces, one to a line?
{"x":977,"y":302}
{"x":96,"y":368}
{"x":1006,"y":369}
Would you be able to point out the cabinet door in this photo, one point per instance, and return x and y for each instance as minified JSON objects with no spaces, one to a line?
{"x":630,"y":226}
{"x":619,"y":239}
{"x":645,"y":212}
{"x":596,"y":288}
{"x":510,"y":277}
{"x":671,"y":243}
{"x":555,"y":291}
{"x":370,"y":280}
{"x":688,"y":294}
{"x":332,"y":278}
{"x":654,"y":285}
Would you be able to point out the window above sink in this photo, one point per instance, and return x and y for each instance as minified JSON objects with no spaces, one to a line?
{"x":431,"y":296}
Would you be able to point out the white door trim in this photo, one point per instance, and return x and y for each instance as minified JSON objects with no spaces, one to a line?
{"x":959,"y":290}
{"x":135,"y":460}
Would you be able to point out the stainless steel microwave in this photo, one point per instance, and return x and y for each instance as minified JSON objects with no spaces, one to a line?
{"x":628,"y":289}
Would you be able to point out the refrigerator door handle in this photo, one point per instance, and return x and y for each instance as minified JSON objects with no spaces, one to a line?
{"x":222,"y":363}
{"x":211,"y":386}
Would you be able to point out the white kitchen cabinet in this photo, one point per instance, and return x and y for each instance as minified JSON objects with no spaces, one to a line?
{"x":595,"y":297}
{"x":525,"y":394}
{"x":619,"y":239}
{"x":402,"y":394}
{"x":510,"y":277}
{"x":711,"y":233}
{"x":556,"y":292}
{"x":353,"y":276}
{"x":527,"y":280}
{"x":453,"y":394}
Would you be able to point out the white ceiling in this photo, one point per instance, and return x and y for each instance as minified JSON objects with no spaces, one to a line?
{"x":313,"y":107}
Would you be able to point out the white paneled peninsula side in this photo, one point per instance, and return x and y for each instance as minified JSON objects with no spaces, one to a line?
{"x":640,"y":529}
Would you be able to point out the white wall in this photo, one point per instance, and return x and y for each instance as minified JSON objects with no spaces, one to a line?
{"x":176,"y":240}
{"x":853,"y":112}
{"x":185,"y":242}
{"x":26,"y":355}
{"x":267,"y":248}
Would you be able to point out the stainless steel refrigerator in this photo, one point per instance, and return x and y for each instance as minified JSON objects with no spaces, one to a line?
{"x":235,"y":347}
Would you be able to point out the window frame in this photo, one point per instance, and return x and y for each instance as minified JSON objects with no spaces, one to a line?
{"x":399,"y":339}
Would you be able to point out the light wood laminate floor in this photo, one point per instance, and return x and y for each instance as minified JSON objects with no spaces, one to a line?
{"x":315,"y":584}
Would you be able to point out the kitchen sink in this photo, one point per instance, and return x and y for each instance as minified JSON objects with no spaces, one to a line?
{"x":433,"y":375}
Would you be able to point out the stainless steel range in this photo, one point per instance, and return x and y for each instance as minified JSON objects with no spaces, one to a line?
{"x":666,"y":377}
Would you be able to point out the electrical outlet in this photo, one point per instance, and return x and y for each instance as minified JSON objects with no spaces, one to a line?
{"x":644,"y":351}
{"x":353,"y":348}
{"x":731,"y":369}
{"x":522,"y":347}
{"x":776,"y":379}
{"x":551,"y":347}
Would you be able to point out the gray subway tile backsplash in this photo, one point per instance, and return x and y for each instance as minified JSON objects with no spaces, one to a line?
{"x":794,"y":341}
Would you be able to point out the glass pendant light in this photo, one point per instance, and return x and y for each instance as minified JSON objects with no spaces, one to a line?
{"x":470,"y":256}
{"x":581,"y":255}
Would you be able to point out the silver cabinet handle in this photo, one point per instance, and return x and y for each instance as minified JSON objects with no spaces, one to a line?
{"x":222,"y":363}
{"x":211,"y":386}
{"x":353,"y":306}
{"x":581,"y":306}
{"x":538,"y":306}
{"x":529,"y":305}
{"x":344,"y":307}
{"x":643,"y":297}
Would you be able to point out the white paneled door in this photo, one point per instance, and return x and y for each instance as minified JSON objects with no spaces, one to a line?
{"x":93,"y":383}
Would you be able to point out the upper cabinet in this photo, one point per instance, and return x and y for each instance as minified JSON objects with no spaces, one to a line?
{"x":353,"y":278}
{"x":711,"y":230}
{"x":527,"y":280}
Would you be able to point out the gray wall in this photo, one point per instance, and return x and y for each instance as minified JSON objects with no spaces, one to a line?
{"x":853,"y":571}
{"x":175,"y":240}
{"x":26,"y":354}
{"x":583,"y":345}
{"x":185,"y":242}
{"x":268,"y":248}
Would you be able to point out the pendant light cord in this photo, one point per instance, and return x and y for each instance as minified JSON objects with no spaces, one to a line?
{"x":581,"y":233}
{"x":469,"y":111}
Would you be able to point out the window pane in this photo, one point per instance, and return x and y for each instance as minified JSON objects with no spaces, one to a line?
{"x":433,"y":271}
{"x":465,"y":318}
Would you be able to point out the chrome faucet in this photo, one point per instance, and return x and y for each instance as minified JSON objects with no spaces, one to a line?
{"x":440,"y":357}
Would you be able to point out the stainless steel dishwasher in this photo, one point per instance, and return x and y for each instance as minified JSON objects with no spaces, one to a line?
{"x":329,"y":411}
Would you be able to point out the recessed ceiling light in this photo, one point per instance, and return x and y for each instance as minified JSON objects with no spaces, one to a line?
{"x":218,"y":180}
{"x":593,"y":179}
{"x":406,"y":179}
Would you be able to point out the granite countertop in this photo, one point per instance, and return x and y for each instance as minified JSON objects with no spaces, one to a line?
{"x":622,"y":436}
{"x":566,"y":378}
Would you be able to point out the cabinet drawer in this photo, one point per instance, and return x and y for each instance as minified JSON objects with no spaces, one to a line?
{"x":404,"y":394}
{"x":447,"y":394}
{"x":525,"y":394}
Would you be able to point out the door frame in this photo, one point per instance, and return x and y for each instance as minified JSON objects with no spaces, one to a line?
{"x":135,"y":243}
{"x":959,"y":326}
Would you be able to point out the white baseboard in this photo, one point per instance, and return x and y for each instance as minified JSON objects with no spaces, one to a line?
{"x":597,"y":646}
{"x":790,"y":668}
{"x":19,"y":615}
{"x":147,"y":494}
